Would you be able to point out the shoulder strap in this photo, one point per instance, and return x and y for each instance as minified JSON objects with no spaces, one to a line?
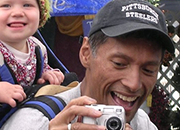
{"x":40,"y":63}
{"x":49,"y":105}
{"x":4,"y":119}
{"x":6,"y":73}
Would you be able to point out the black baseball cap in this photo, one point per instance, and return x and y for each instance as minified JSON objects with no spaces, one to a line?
{"x":120,"y":17}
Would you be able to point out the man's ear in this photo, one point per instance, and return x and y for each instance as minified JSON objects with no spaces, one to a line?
{"x":85,"y":52}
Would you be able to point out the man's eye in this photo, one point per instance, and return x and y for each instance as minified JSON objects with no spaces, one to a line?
{"x":119,"y":64}
{"x":148,"y":71}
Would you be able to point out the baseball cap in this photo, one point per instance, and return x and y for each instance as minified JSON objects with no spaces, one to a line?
{"x":120,"y":17}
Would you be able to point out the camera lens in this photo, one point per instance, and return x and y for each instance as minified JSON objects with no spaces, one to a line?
{"x":113,"y":123}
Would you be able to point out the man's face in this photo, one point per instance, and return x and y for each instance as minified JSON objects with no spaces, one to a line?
{"x":123,"y":72}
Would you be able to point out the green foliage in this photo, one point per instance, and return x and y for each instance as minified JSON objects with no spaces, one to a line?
{"x":154,"y":2}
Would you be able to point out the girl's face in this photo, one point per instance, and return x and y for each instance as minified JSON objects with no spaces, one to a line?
{"x":19,"y":19}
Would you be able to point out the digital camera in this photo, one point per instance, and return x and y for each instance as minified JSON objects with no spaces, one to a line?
{"x":113,"y":117}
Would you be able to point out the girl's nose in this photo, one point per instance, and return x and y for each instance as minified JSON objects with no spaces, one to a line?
{"x":17,"y":12}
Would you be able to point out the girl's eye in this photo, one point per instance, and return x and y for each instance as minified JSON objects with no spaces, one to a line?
{"x":27,"y":5}
{"x":5,"y":6}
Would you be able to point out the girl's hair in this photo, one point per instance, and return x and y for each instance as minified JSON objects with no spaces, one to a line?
{"x":45,"y":9}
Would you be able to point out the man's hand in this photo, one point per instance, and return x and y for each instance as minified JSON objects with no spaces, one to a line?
{"x":128,"y":127}
{"x":9,"y":93}
{"x":76,"y":109}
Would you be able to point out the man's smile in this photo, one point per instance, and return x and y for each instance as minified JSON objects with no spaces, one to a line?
{"x":125,"y":101}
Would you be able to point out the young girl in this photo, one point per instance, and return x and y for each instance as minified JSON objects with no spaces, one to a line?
{"x":19,"y":20}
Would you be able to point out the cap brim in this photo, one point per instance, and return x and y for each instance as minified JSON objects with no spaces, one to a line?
{"x":118,"y":30}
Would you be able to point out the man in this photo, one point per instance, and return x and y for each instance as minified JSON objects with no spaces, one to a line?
{"x":122,"y":57}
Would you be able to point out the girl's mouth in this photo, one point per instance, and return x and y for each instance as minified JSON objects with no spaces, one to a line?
{"x":16,"y":25}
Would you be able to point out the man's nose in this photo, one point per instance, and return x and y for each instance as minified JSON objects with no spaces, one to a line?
{"x":133,"y":80}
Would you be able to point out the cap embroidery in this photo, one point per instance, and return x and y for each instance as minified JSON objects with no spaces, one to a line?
{"x":152,"y":18}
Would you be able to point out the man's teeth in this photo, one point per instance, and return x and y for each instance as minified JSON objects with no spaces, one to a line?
{"x":124,"y":98}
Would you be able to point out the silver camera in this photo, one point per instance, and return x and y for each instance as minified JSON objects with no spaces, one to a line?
{"x":113,"y":117}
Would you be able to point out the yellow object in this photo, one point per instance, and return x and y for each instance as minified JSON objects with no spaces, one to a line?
{"x":89,"y":16}
{"x":55,"y":89}
{"x":70,"y":25}
{"x":149,"y":100}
